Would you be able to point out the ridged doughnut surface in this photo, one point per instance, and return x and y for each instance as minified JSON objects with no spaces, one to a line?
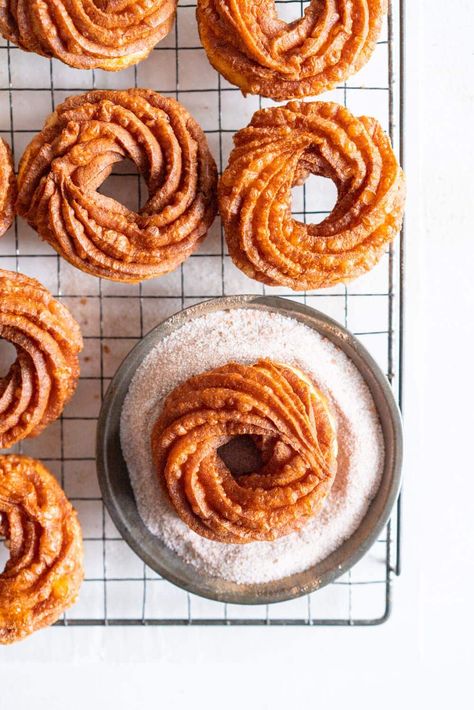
{"x":255,"y":50}
{"x":291,"y":424}
{"x":44,"y":376}
{"x":277,"y":151}
{"x":66,"y":163}
{"x":44,"y":572}
{"x":88,"y":34}
{"x":7,"y":187}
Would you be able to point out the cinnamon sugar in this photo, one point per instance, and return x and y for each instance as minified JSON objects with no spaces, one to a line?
{"x":244,"y":335}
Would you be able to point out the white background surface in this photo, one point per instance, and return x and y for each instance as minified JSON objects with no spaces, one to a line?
{"x":424,"y":653}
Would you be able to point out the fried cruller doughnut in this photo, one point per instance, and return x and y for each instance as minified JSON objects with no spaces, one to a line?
{"x":277,"y":151}
{"x":7,"y":187}
{"x":66,"y":163}
{"x":45,"y":373}
{"x":252,"y":48}
{"x":290,"y":422}
{"x":88,"y":34}
{"x":45,"y":569}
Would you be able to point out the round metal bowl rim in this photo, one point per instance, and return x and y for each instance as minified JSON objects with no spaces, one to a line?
{"x":336,"y":333}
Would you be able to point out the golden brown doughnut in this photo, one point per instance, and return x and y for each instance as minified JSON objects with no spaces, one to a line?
{"x":44,"y":376}
{"x":88,"y":34}
{"x":66,"y":163}
{"x":278,"y":150}
{"x":255,"y":50}
{"x":290,"y":422}
{"x":7,"y":187}
{"x":44,"y":572}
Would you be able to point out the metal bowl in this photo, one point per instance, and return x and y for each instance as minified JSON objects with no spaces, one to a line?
{"x":118,"y":495}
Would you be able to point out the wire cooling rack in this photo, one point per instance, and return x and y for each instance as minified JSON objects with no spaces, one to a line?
{"x":119,"y":589}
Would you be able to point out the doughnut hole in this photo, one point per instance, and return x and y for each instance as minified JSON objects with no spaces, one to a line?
{"x":316,"y":197}
{"x":7,"y":357}
{"x":126,"y":185}
{"x":4,"y":551}
{"x":290,"y":12}
{"x":241,"y":455}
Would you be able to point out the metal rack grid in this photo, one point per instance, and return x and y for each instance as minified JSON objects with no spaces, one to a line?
{"x":119,"y":589}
